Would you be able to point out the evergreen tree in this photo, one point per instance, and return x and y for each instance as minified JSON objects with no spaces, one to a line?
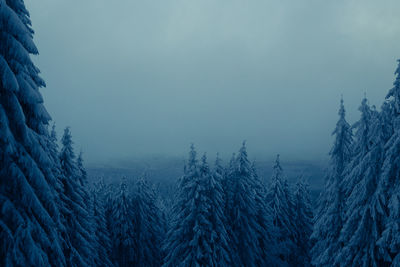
{"x":123,"y":232}
{"x":147,"y":225}
{"x":362,"y":218}
{"x":389,"y":183}
{"x":281,"y":205}
{"x":189,"y":237}
{"x":328,"y":220}
{"x":243,"y":213}
{"x":227,"y":185}
{"x":62,"y":199}
{"x":102,"y":241}
{"x":303,"y":223}
{"x":77,"y":219}
{"x":266,"y":231}
{"x":29,"y":214}
{"x":219,"y":236}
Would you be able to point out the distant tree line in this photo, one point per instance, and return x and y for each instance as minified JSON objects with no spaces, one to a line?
{"x":218,"y":216}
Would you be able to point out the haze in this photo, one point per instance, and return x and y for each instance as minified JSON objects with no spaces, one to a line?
{"x":139,"y":78}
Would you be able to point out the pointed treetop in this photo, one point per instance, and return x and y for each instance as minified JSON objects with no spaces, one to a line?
{"x":341,"y":151}
{"x":67,"y":138}
{"x":204,"y":158}
{"x":192,"y":155}
{"x":204,"y":163}
{"x":395,"y":91}
{"x":277,"y":162}
{"x":342,"y":123}
{"x":365,"y":109}
{"x":243,"y":150}
{"x":204,"y":168}
{"x":342,"y":111}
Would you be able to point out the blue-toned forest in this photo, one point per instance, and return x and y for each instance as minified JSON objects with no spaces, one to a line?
{"x":217,"y":213}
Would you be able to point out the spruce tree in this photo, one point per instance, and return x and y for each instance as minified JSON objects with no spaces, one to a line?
{"x":147,"y":226}
{"x":219,"y":236}
{"x":303,"y":222}
{"x":243,"y":213}
{"x":266,"y":231}
{"x":389,"y":183}
{"x":122,"y":226}
{"x":362,"y":218}
{"x":76,"y":216}
{"x":227,"y":185}
{"x":189,"y":237}
{"x":281,"y":204}
{"x":328,"y":220}
{"x":29,"y":213}
{"x":102,"y":241}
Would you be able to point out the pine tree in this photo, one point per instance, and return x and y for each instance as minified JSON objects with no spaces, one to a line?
{"x":281,"y":204}
{"x":77,"y":219}
{"x":123,"y":232}
{"x":188,"y":239}
{"x":102,"y":241}
{"x":266,"y":230}
{"x":227,"y":185}
{"x":243,"y":213}
{"x":147,"y":225}
{"x":303,"y":222}
{"x":29,"y":214}
{"x":362,"y":218}
{"x":62,"y":200}
{"x":389,"y":183}
{"x":219,"y":236}
{"x":328,"y":220}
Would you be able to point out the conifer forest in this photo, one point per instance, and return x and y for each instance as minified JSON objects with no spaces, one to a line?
{"x":220,"y":211}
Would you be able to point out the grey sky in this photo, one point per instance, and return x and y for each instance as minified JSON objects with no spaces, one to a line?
{"x":136,"y":78}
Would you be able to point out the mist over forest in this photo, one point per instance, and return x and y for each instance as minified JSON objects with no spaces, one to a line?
{"x":184,"y":133}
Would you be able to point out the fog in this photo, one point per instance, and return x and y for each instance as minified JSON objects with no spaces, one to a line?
{"x":140,"y":78}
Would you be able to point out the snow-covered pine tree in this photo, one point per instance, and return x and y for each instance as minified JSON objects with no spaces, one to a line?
{"x":122,"y":225}
{"x":76,"y":216}
{"x":54,"y":152}
{"x":85,"y":195}
{"x":189,"y":237}
{"x":281,"y":204}
{"x":362,"y":220}
{"x":328,"y":219}
{"x":219,"y":240}
{"x":389,"y":183}
{"x":227,"y":186}
{"x":243,"y":213}
{"x":147,"y":225}
{"x":63,"y":199}
{"x":102,"y":241}
{"x":303,"y":222}
{"x":29,"y":214}
{"x":266,"y":231}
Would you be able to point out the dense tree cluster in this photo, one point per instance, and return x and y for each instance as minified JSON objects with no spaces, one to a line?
{"x":357,"y":222}
{"x":219,"y":215}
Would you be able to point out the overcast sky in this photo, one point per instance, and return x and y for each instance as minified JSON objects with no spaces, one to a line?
{"x":137,"y":78}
